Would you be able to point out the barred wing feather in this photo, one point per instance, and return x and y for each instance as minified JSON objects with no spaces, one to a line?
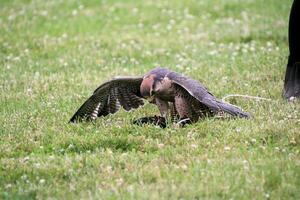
{"x":109,"y":97}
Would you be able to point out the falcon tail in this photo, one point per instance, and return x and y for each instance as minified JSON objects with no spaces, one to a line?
{"x":233,"y":110}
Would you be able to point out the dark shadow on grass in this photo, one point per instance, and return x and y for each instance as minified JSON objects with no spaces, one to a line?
{"x":16,"y":195}
{"x":114,"y":144}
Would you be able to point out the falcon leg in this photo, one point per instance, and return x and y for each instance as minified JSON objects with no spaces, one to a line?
{"x":160,"y":121}
{"x":163,"y":107}
{"x":173,"y":112}
{"x":183,"y":108}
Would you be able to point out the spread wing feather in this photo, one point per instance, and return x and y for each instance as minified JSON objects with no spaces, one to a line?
{"x":109,"y":97}
{"x":199,"y":92}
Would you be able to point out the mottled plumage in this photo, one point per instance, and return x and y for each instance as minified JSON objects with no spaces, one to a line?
{"x":174,"y":94}
{"x":109,"y":97}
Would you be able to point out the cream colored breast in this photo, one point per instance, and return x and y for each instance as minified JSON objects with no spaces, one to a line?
{"x":164,"y":89}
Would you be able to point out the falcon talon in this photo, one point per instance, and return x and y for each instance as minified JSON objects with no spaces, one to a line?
{"x":184,"y":122}
{"x":175,"y":95}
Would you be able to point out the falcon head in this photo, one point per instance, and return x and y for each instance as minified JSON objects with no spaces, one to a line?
{"x":150,"y":85}
{"x":151,"y":80}
{"x":147,"y":85}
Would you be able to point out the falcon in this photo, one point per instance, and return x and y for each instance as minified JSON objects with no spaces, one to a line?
{"x":176,"y":96}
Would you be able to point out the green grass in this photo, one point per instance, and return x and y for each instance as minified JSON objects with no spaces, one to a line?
{"x":53,"y":54}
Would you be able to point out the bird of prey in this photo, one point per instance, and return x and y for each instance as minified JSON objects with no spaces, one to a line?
{"x":173,"y":93}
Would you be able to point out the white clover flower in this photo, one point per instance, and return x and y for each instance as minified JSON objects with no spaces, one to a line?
{"x":42,"y":181}
{"x":74,"y":12}
{"x":227,"y":148}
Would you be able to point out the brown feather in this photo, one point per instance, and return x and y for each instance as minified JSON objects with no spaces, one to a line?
{"x":108,"y":98}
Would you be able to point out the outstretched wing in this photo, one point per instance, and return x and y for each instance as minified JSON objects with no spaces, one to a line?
{"x":109,"y":97}
{"x":199,"y":92}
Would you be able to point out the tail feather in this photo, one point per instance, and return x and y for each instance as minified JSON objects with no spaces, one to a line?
{"x":233,"y":110}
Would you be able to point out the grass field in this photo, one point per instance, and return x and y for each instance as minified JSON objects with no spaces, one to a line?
{"x":53,"y":54}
